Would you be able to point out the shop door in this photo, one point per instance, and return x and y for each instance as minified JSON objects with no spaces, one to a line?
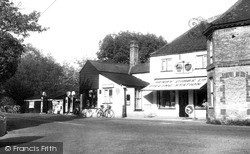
{"x":183,"y":102}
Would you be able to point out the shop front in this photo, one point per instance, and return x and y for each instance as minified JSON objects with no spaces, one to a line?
{"x":173,"y":95}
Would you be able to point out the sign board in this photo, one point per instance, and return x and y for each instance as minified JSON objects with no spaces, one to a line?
{"x":177,"y":84}
{"x":189,"y":109}
{"x":31,"y":104}
{"x":110,"y":85}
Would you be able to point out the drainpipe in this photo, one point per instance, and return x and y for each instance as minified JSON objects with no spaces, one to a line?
{"x":124,"y":114}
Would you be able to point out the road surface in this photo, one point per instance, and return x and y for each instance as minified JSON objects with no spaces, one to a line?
{"x":93,"y":135}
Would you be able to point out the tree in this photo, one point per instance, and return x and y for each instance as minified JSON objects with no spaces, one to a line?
{"x":13,"y":21}
{"x":36,"y":73}
{"x":115,"y":47}
{"x":10,"y":52}
{"x":14,"y":27}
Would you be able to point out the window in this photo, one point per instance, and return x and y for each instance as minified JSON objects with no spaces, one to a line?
{"x":211,"y":52}
{"x":108,"y":94}
{"x":166,"y":65}
{"x":166,"y":99}
{"x":200,"y":98}
{"x":201,"y":61}
{"x":128,"y":99}
{"x":211,"y":103}
{"x":138,"y":102}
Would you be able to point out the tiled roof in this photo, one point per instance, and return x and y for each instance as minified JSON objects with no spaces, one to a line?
{"x":237,"y":15}
{"x":125,"y":79}
{"x":140,"y":68}
{"x":191,"y":41}
{"x":118,"y":73}
{"x":110,"y":67}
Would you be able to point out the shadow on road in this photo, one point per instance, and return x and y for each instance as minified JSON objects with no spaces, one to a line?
{"x":18,"y":140}
{"x":19,"y":121}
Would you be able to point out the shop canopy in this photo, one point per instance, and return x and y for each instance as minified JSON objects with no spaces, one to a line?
{"x":177,"y":84}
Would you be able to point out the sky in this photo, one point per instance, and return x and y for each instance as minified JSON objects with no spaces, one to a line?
{"x":76,"y":27}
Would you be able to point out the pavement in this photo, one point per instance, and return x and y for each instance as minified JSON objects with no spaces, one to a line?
{"x":181,"y":119}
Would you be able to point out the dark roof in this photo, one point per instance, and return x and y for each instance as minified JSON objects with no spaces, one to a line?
{"x":110,"y":67}
{"x":125,"y":79}
{"x":237,"y":15}
{"x":140,"y":68}
{"x":57,"y":96}
{"x":191,"y":41}
{"x":33,"y":97}
{"x":118,"y":73}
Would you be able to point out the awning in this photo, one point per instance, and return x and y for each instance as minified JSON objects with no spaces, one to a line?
{"x":177,"y":84}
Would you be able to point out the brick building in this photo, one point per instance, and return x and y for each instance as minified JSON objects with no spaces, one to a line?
{"x":228,"y":67}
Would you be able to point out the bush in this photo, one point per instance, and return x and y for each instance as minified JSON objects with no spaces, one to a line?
{"x":235,"y":122}
{"x":7,"y":101}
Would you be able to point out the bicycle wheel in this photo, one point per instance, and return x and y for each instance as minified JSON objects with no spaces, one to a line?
{"x":100,"y":114}
{"x":110,"y":114}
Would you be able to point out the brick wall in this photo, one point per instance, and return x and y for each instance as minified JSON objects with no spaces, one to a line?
{"x":232,"y":44}
{"x":232,"y":92}
{"x":231,"y":73}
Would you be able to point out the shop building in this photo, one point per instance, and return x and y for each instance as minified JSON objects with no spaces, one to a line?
{"x":229,"y":63}
{"x":112,"y":84}
{"x":176,"y":73}
{"x":179,"y":76}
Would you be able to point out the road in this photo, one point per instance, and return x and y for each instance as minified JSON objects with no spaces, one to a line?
{"x":93,"y":135}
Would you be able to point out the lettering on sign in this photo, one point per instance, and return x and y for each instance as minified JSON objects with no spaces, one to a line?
{"x":179,"y":83}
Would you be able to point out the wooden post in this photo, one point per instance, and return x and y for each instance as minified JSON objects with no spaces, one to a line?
{"x":125,"y":104}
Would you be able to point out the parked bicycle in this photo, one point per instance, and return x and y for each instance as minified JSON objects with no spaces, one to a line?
{"x":107,"y":113}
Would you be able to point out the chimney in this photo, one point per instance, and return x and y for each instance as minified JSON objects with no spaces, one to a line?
{"x":134,"y":55}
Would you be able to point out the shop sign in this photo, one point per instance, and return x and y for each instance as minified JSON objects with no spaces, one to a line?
{"x":177,"y":84}
{"x":31,"y":104}
{"x":110,"y":85}
{"x":189,"y":109}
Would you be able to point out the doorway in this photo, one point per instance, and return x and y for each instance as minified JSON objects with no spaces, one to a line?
{"x":183,"y":102}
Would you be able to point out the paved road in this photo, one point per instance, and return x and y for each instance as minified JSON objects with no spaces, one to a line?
{"x":92,"y":135}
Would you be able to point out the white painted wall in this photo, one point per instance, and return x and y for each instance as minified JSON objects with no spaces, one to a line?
{"x":155,"y":65}
{"x":118,"y":95}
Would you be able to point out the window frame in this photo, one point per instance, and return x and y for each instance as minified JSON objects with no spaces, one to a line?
{"x":211,"y":48}
{"x":138,"y":99}
{"x":108,"y":96}
{"x":203,"y":61}
{"x":211,"y":103}
{"x":166,"y":67}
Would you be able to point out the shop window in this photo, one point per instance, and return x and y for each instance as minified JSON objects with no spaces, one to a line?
{"x":201,"y":61}
{"x":200,"y":98}
{"x":138,"y":102}
{"x":166,"y":65}
{"x":166,"y":99}
{"x":108,"y":95}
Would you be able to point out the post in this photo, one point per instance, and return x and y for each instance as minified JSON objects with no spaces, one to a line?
{"x":42,"y":100}
{"x":81,"y":100}
{"x":41,"y":110}
{"x":66,"y":104}
{"x":125,"y":104}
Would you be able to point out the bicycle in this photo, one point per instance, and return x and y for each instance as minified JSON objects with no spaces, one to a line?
{"x":107,"y":113}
